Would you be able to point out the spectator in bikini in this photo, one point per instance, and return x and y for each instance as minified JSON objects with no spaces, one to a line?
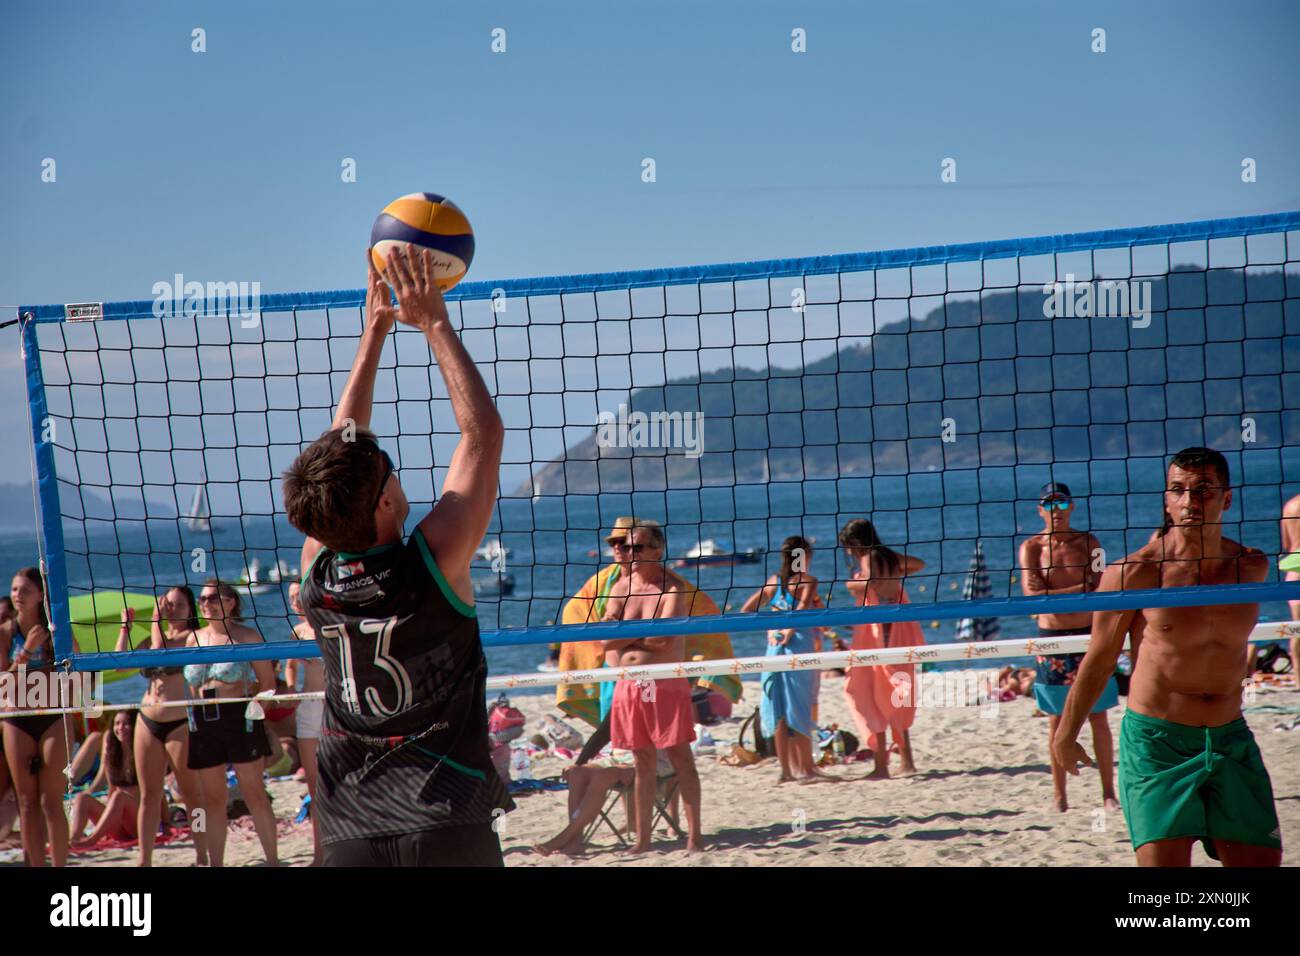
{"x":220,"y":733}
{"x":116,"y":818}
{"x":34,"y":746}
{"x":881,"y":697}
{"x":790,"y":697}
{"x":162,"y":734}
{"x":310,"y":712}
{"x":8,"y":802}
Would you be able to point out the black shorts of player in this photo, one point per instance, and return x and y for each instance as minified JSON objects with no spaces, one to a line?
{"x":472,"y":844}
{"x":220,"y":734}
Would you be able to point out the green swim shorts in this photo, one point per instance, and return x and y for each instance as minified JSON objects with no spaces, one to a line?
{"x":1208,"y":782}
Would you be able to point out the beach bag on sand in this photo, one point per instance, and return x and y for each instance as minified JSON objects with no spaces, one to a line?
{"x":505,"y":723}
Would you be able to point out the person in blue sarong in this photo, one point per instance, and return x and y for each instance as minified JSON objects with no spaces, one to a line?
{"x":789,"y":699}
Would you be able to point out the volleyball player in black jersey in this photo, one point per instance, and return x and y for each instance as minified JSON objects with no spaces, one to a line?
{"x":404,"y":772}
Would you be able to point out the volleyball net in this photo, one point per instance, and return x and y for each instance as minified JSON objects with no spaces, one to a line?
{"x":933,"y":391}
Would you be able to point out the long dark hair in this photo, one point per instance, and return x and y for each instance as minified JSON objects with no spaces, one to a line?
{"x":191,"y":622}
{"x":860,"y":535}
{"x":34,"y":576}
{"x":121,"y":760}
{"x":788,"y":548}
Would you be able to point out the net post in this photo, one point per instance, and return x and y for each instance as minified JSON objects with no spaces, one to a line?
{"x":50,"y":532}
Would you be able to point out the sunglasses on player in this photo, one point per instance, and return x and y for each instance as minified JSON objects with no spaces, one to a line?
{"x":388,"y":470}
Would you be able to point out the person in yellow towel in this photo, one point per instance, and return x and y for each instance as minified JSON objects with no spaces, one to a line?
{"x":584,"y":701}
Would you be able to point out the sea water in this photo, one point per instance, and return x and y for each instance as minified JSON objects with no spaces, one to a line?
{"x":935,"y":516}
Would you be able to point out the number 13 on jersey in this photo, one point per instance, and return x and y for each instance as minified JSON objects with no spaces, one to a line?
{"x":382,"y":673}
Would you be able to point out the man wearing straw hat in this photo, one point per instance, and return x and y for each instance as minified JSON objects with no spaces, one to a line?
{"x":586,"y":606}
{"x":591,"y":702}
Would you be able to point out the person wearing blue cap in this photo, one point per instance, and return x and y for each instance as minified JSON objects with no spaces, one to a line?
{"x":1063,"y":560}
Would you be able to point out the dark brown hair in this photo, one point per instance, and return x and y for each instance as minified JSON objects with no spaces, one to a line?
{"x":121,"y":761}
{"x":860,"y":535}
{"x":1193,"y":458}
{"x":788,"y":547}
{"x":191,"y":622}
{"x":330,"y":489}
{"x":34,"y":575}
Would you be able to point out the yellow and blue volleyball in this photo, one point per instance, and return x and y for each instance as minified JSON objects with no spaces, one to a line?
{"x":432,"y":222}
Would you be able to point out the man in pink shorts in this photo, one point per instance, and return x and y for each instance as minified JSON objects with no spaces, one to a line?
{"x":648,"y":716}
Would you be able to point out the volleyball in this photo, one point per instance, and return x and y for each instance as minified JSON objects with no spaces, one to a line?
{"x":431,"y":221}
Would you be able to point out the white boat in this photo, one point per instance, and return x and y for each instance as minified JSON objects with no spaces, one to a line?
{"x":710,"y":551}
{"x":492,"y":549}
{"x":197,"y":519}
{"x":282,"y":573}
{"x":708,"y":548}
{"x":251,"y":580}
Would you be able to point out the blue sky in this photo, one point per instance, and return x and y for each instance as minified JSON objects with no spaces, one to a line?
{"x":225,"y":165}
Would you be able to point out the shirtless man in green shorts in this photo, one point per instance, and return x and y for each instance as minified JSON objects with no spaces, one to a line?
{"x":1189,"y":767}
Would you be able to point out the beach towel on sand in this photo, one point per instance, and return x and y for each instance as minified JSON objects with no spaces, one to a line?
{"x":878,"y":699}
{"x":788,"y":695}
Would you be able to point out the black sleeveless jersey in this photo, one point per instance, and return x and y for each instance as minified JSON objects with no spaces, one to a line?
{"x":404,"y":741}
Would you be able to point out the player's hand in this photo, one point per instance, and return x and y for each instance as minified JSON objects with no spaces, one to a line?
{"x":419,"y":300}
{"x":380,"y":313}
{"x":1069,"y":754}
{"x":128,"y":616}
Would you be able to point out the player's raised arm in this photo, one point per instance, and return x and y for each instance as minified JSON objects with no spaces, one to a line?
{"x":359,"y":393}
{"x":455,"y":526}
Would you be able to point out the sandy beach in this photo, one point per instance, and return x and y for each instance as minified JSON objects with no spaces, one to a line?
{"x":981,"y":797}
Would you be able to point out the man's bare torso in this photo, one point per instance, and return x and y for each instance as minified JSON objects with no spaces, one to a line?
{"x":1192,"y":660}
{"x":636,"y":598}
{"x":1062,"y":560}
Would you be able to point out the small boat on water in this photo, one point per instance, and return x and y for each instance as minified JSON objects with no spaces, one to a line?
{"x":713,"y":552}
{"x":495,"y":585}
{"x":282,"y":573}
{"x":491,"y":550}
{"x":251,"y":580}
{"x":197,"y":518}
